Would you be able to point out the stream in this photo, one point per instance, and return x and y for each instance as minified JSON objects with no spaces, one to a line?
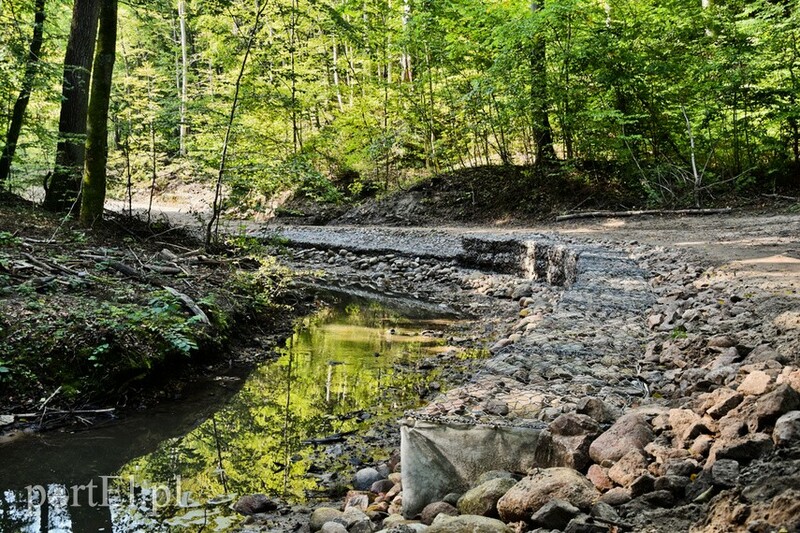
{"x":295,"y":425}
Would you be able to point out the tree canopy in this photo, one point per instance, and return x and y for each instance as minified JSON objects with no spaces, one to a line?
{"x":341,"y":97}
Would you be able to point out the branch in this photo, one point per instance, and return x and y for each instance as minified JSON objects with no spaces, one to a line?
{"x":636,"y":213}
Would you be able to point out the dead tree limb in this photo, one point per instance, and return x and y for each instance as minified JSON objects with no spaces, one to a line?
{"x":642,"y":212}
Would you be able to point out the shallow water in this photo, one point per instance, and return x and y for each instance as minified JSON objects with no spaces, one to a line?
{"x":292,"y":423}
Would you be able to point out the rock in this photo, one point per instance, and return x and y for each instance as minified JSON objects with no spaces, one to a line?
{"x":790,"y":376}
{"x":742,"y":449}
{"x":254,"y":504}
{"x":492,"y":474}
{"x":725,"y":472}
{"x":467,"y":524}
{"x":642,"y":485}
{"x":535,"y":490}
{"x":596,"y":409}
{"x":452,"y":498}
{"x":571,"y":424}
{"x":632,"y":465}
{"x":701,"y":488}
{"x":365,"y":478}
{"x":701,"y":445}
{"x":721,"y":341}
{"x":616,"y":497}
{"x":675,"y":484}
{"x":721,"y":401}
{"x":764,"y":353}
{"x":322,"y":515}
{"x":362,"y":527}
{"x":630,"y":432}
{"x":787,"y":430}
{"x":681,"y":467}
{"x":755,"y":384}
{"x":555,"y":514}
{"x":599,"y":477}
{"x":482,"y":500}
{"x":333,"y":527}
{"x":573,"y":434}
{"x":357,"y":499}
{"x":398,"y":520}
{"x":573,"y":451}
{"x":781,"y":400}
{"x":499,"y":345}
{"x":581,"y":524}
{"x":659,"y":498}
{"x":605,"y":513}
{"x":353,"y":516}
{"x":654,"y":320}
{"x":381,"y":487}
{"x":686,"y":425}
{"x":432,"y":510}
{"x":496,"y":407}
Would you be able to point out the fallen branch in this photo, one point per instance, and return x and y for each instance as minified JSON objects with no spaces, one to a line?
{"x":164,"y":269}
{"x":781,"y":197}
{"x":642,"y":212}
{"x":126,"y":270}
{"x":59,"y":412}
{"x":188,"y":302}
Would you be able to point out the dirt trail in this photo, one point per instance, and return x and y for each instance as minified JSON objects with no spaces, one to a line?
{"x":762,"y":246}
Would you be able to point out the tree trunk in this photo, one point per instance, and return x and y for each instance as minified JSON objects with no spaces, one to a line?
{"x":336,"y":75}
{"x":94,"y":175}
{"x":216,"y":207}
{"x":17,"y":116}
{"x":184,"y":75}
{"x":65,"y":183}
{"x":542,"y":131}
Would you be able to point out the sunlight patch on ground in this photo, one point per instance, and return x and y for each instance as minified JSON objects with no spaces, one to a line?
{"x":613,"y":223}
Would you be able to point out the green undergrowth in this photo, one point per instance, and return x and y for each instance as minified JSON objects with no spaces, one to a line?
{"x":97,"y":335}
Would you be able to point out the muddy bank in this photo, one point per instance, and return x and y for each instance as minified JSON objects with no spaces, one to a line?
{"x":94,"y":322}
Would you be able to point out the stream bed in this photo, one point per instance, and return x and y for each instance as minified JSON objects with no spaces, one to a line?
{"x":291,"y":429}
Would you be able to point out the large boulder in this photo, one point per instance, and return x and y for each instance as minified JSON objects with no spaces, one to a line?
{"x":467,"y":524}
{"x":630,"y":432}
{"x":482,"y":500}
{"x":533,"y":492}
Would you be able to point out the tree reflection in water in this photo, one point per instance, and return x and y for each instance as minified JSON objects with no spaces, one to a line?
{"x":344,"y":369}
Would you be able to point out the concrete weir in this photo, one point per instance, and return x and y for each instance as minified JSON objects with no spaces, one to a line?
{"x":556,"y":364}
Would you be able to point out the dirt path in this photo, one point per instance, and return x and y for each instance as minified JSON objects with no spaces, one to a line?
{"x":766,"y":247}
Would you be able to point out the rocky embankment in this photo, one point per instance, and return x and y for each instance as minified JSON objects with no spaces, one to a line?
{"x":658,"y":394}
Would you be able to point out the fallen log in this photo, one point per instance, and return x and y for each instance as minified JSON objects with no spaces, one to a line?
{"x":642,"y":212}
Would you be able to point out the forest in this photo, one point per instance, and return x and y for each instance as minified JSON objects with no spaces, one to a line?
{"x":342,"y":99}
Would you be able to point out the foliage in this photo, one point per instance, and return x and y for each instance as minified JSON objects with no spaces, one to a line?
{"x":383,"y":92}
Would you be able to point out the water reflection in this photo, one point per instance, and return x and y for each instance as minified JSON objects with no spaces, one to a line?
{"x":345,"y":369}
